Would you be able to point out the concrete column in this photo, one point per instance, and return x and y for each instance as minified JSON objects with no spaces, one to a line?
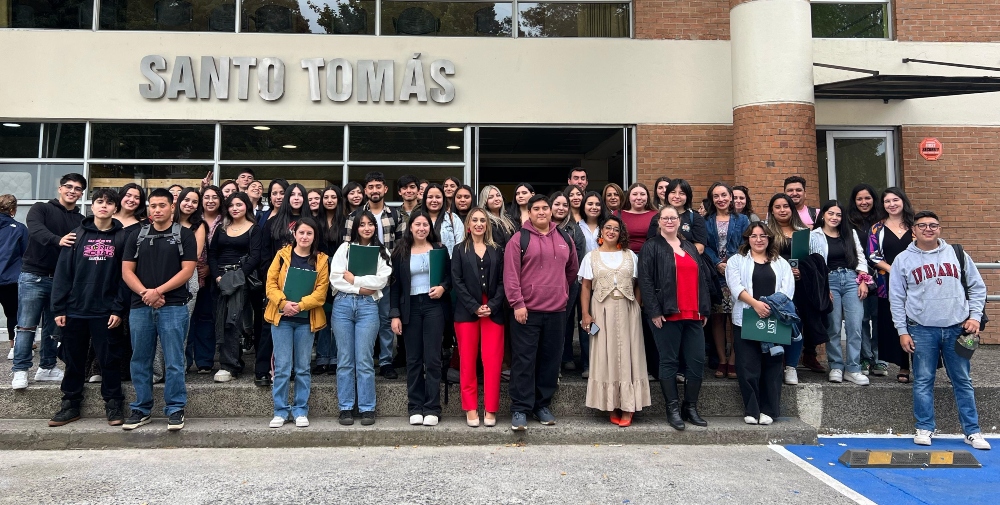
{"x":774,"y":116}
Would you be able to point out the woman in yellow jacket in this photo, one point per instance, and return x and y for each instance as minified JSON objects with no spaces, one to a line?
{"x":295,"y":323}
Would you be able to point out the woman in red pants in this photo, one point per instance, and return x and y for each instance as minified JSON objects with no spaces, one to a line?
{"x":477,"y":276}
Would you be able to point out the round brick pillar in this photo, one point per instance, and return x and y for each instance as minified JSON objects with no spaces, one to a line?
{"x":774,"y":116}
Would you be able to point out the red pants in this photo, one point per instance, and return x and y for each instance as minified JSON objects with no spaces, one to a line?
{"x":468,"y":336}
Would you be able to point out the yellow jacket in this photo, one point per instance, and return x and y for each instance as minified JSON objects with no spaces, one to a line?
{"x":312,"y":302}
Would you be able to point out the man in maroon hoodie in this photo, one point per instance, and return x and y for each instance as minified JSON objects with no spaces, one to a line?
{"x":537,"y":275}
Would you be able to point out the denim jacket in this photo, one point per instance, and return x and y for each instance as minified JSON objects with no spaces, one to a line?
{"x":784,"y":310}
{"x":738,"y":223}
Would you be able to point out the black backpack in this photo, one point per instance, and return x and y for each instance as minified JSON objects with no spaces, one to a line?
{"x":960,"y":254}
{"x":526,"y":238}
{"x":175,"y":233}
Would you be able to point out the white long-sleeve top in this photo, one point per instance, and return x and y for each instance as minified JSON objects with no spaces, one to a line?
{"x":819,"y":245}
{"x":377,"y":282}
{"x":739,"y":278}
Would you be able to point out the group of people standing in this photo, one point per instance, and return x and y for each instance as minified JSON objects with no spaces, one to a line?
{"x":638,"y":275}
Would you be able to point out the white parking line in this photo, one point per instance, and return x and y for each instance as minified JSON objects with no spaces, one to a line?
{"x":824,"y":478}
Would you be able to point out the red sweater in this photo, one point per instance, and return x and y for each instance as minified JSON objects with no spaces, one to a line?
{"x":637,"y":226}
{"x":541,"y":281}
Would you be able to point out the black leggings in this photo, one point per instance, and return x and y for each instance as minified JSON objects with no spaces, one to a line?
{"x":8,"y":300}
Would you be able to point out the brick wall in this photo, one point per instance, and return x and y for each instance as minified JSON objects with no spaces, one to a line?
{"x":681,"y":20}
{"x":702,"y":154}
{"x":947,"y":21}
{"x":961,"y":187}
{"x":772,"y":142}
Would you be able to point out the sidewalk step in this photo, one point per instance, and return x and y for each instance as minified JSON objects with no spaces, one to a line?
{"x":243,"y":432}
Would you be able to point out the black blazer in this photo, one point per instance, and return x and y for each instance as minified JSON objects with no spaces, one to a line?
{"x":468,"y":285}
{"x":399,"y":287}
{"x":658,"y":278}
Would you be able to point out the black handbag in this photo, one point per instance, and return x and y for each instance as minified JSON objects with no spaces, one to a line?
{"x":254,"y":284}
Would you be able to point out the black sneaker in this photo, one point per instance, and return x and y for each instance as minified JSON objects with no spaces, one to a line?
{"x":518,"y":421}
{"x":388,"y":372}
{"x":262,"y":381}
{"x":319,"y":369}
{"x":175,"y":421}
{"x":135,"y":420}
{"x":346,"y":418}
{"x":67,"y":414}
{"x":205,"y":370}
{"x":113,"y":409}
{"x":368,"y":418}
{"x":544,"y":416}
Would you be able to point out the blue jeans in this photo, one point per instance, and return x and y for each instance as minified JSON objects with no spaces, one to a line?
{"x":34,"y":298}
{"x":326,"y":346}
{"x":869,"y":328}
{"x":386,"y":338}
{"x":170,"y":323}
{"x":292,"y":340}
{"x":793,"y":352}
{"x":847,"y":308}
{"x":930,"y":344}
{"x":355,"y":322}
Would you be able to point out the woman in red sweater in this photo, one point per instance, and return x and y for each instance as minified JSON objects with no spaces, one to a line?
{"x":637,"y":211}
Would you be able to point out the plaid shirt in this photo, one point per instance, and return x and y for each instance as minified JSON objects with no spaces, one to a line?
{"x":392,"y":225}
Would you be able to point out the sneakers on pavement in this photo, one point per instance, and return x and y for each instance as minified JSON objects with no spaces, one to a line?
{"x":175,"y":421}
{"x":277,"y":422}
{"x":20,"y":380}
{"x":95,"y":378}
{"x":223,"y":376}
{"x":923,"y":437}
{"x":302,"y":422}
{"x":417,"y":419}
{"x":865,"y":367}
{"x":518,"y":421}
{"x":113,"y":410}
{"x":857,"y":378}
{"x":10,"y":355}
{"x":388,"y":372}
{"x":977,"y":441}
{"x":836,"y":375}
{"x":750,"y":420}
{"x":544,"y":416}
{"x":346,"y":418}
{"x":49,"y":374}
{"x":135,"y":420}
{"x":368,"y":418}
{"x":67,"y":414}
{"x":791,"y":376}
{"x":880,"y":369}
{"x":765,"y":419}
{"x":430,"y":420}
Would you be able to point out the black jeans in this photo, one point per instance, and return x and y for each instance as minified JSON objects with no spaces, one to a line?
{"x":263,"y":346}
{"x":536,"y":352}
{"x":759,"y":377}
{"x":201,"y":334}
{"x":76,"y":339}
{"x":676,"y":340}
{"x":423,"y":335}
{"x":8,"y":300}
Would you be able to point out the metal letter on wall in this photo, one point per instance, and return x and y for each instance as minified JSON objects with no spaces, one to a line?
{"x":271,"y":89}
{"x":182,"y":79}
{"x":313,"y":65}
{"x":373,"y":80}
{"x":156,"y":87}
{"x":214,"y":77}
{"x":439,"y":69}
{"x":346,"y":80}
{"x":243,"y":64}
{"x":413,"y":81}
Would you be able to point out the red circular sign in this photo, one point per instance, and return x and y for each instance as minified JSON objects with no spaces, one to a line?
{"x":930,"y":148}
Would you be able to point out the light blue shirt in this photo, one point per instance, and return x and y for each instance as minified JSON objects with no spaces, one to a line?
{"x":420,"y":273}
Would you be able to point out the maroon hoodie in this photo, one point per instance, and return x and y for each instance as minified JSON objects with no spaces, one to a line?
{"x":541,"y":281}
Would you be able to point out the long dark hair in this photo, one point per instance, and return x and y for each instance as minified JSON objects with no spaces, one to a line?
{"x":449,"y":203}
{"x":226,"y":218}
{"x":472,"y":202}
{"x":656,"y":196}
{"x":568,"y":191}
{"x":907,"y":206}
{"x":444,"y":213}
{"x":515,"y":210}
{"x":845,"y":230}
{"x":314,"y":247}
{"x":267,"y":195}
{"x":280,"y":225}
{"x":376,"y":241}
{"x":333,"y":233}
{"x":140,"y":211}
{"x":748,"y":208}
{"x":195,"y":218}
{"x":685,"y":187}
{"x":711,"y":209}
{"x":604,"y":209}
{"x":860,"y":220}
{"x":218,"y":194}
{"x":351,"y":186}
{"x":402,"y":250}
{"x":795,"y":221}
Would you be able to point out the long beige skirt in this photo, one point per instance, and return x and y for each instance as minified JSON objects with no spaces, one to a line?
{"x":618,"y":377}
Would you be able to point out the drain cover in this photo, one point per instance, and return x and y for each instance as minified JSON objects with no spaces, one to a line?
{"x":855,"y":458}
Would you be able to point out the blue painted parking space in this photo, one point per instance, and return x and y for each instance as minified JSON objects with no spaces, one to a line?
{"x":905,"y":486}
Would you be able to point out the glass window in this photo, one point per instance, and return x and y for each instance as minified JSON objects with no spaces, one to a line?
{"x":466,"y":19}
{"x":62,"y":140}
{"x":147,"y":176}
{"x":573,"y":20}
{"x":850,"y":20}
{"x":854,"y":157}
{"x":152,"y":141}
{"x":169,"y":15}
{"x":60,"y":14}
{"x":310,"y":176}
{"x":433,"y":174}
{"x":283,"y":142}
{"x":309,"y":16}
{"x":34,"y":181}
{"x":406,"y":143}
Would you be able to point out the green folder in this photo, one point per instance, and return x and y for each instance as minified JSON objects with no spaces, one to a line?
{"x":299,"y":283}
{"x":362,"y":260}
{"x":438,"y":259}
{"x":800,"y":244}
{"x":764,"y":330}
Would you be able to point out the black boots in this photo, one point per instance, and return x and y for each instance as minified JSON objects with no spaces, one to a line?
{"x":677,"y":413}
{"x":689,"y":413}
{"x":669,"y":387}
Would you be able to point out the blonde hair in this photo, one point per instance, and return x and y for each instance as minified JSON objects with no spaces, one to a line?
{"x":502,"y":220}
{"x":8,"y":204}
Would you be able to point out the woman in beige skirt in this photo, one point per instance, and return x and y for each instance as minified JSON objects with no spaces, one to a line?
{"x":618,"y":381}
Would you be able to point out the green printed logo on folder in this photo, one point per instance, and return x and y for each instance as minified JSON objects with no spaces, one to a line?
{"x":764,"y":330}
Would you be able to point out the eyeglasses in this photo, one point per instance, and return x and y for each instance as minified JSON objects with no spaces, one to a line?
{"x":928,"y":226}
{"x":73,"y":189}
{"x":758,"y":237}
{"x":611,"y":228}
{"x":670,"y":219}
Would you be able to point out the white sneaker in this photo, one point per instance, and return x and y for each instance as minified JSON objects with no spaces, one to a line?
{"x":750,"y":420}
{"x":20,"y":380}
{"x":223,"y":376}
{"x":277,"y":422}
{"x":416,"y":419}
{"x":765,"y":419}
{"x":836,"y":375}
{"x":791,"y":376}
{"x":95,"y":378}
{"x":301,"y":421}
{"x":10,"y":355}
{"x":430,"y":420}
{"x":923,"y":437}
{"x":977,"y":441}
{"x":857,"y":378}
{"x":49,"y":374}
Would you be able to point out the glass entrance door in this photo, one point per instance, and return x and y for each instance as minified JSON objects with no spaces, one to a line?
{"x":850,"y":157}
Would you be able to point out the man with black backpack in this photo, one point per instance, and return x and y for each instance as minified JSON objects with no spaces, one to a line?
{"x":88,"y":301}
{"x":158,"y":261}
{"x":540,"y":264}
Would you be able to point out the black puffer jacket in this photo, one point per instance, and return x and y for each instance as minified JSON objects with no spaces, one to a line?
{"x":658,"y":278}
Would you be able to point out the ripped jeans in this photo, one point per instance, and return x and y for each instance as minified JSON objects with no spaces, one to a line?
{"x":35,"y":295}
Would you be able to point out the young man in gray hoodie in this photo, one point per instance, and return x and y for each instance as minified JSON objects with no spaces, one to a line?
{"x":930,"y":310}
